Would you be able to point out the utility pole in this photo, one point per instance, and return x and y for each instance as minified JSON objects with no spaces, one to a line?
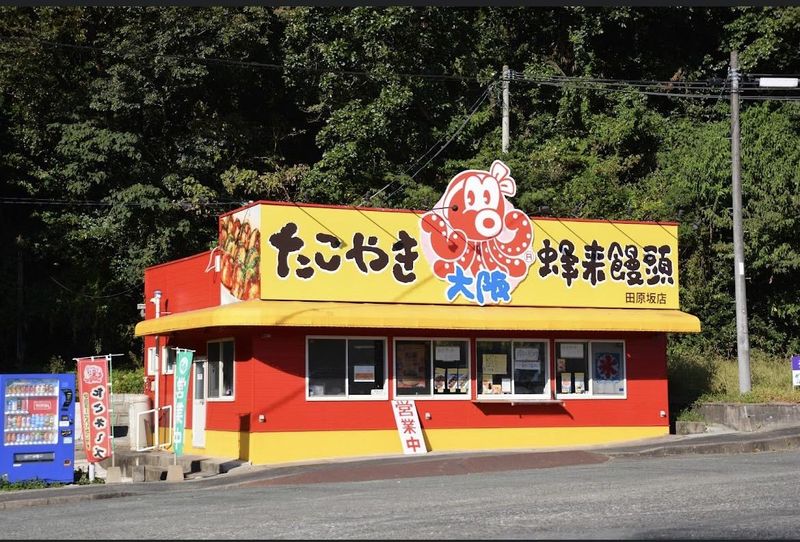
{"x":506,"y":100}
{"x":742,"y":339}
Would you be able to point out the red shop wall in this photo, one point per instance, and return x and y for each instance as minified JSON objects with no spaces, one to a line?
{"x":270,"y":380}
{"x":221,"y":414}
{"x":184,"y":284}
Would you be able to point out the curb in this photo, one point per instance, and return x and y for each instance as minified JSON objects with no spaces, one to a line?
{"x":60,"y":499}
{"x":765,"y":445}
{"x":654,"y":450}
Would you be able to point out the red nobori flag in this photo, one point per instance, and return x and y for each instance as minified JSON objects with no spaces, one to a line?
{"x":96,"y":418}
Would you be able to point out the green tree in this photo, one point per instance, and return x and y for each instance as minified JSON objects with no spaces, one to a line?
{"x":136,"y":126}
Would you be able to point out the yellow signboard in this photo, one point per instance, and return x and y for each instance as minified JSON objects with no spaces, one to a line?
{"x":323,"y":253}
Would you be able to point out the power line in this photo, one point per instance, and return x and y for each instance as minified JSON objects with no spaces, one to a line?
{"x":70,"y":290}
{"x":770,"y":75}
{"x":766,"y":98}
{"x":460,"y":128}
{"x":699,"y":83}
{"x":708,"y":92}
{"x":473,"y":109}
{"x":95,"y":203}
{"x":236,"y":62}
{"x":657,"y":86}
{"x":688,"y":89}
{"x":472,"y":112}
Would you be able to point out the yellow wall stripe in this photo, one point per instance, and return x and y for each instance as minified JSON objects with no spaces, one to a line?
{"x":299,"y":446}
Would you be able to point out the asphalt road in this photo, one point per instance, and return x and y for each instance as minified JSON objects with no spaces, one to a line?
{"x":751,"y":495}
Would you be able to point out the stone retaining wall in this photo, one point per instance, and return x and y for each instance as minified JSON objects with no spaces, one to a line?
{"x":751,"y":416}
{"x":120,"y":413}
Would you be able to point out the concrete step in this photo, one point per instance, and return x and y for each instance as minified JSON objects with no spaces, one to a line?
{"x":148,"y":473}
{"x":153,"y":465}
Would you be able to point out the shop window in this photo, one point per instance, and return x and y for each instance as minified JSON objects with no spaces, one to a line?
{"x":608,"y":368}
{"x":351,"y":368}
{"x":513,"y":368}
{"x":152,"y":360}
{"x":168,"y":356}
{"x":220,"y":370}
{"x":438,"y":368}
{"x":590,"y":368}
{"x":572,"y":368}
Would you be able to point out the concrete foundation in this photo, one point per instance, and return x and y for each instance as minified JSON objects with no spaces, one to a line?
{"x":689,"y":428}
{"x":125,"y":408}
{"x":175,"y":473}
{"x":113,"y":475}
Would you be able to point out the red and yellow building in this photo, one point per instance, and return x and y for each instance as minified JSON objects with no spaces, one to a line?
{"x":307,"y":321}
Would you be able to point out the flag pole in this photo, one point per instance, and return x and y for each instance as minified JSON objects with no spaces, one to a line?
{"x":111,"y":405}
{"x":175,"y":372}
{"x":108,"y":358}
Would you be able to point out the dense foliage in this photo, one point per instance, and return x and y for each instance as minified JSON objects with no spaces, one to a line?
{"x":135,"y":126}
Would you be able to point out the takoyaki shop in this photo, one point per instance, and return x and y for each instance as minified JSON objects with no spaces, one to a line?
{"x":324,"y":332}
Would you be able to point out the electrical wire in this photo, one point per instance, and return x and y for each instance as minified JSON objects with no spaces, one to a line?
{"x":767,"y":98}
{"x":699,"y":89}
{"x":624,"y":86}
{"x":235,"y":62}
{"x":472,"y":112}
{"x":70,"y":290}
{"x":90,"y":203}
{"x":554,"y":80}
{"x":610,"y":85}
{"x":460,"y":128}
{"x":773,"y":75}
{"x":711,"y":92}
{"x":692,"y":85}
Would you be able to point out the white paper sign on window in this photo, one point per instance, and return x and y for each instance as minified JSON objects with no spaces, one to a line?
{"x":494,"y":363}
{"x":566,"y":382}
{"x":448,"y":353}
{"x":571,"y":350}
{"x":526,"y":354}
{"x":528,"y":365}
{"x":364,"y":373}
{"x":408,"y":427}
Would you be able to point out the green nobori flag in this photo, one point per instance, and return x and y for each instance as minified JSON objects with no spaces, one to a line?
{"x":183,"y":365}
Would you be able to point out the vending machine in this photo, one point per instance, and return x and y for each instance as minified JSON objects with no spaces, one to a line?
{"x":38,"y":427}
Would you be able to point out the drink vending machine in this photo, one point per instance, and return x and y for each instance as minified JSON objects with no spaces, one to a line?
{"x":38,"y":427}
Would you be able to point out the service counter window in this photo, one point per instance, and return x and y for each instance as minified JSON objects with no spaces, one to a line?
{"x":220,"y":370}
{"x":433,"y":368}
{"x":590,"y":369}
{"x":345,"y":368}
{"x":513,"y":368}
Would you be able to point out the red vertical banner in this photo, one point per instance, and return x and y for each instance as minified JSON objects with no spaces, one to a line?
{"x":95,"y":414}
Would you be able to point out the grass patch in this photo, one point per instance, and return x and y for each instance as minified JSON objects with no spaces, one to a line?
{"x":81,"y":478}
{"x":690,"y":415}
{"x":770,"y":381}
{"x":5,"y":485}
{"x":128,"y":380}
{"x":700,"y":375}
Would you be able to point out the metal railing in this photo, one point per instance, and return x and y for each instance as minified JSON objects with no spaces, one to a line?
{"x":156,"y":427}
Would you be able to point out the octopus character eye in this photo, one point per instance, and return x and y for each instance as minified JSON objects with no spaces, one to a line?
{"x":486,"y":197}
{"x":470,"y":197}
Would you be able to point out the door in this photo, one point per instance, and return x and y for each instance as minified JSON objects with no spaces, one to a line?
{"x":199,"y":403}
